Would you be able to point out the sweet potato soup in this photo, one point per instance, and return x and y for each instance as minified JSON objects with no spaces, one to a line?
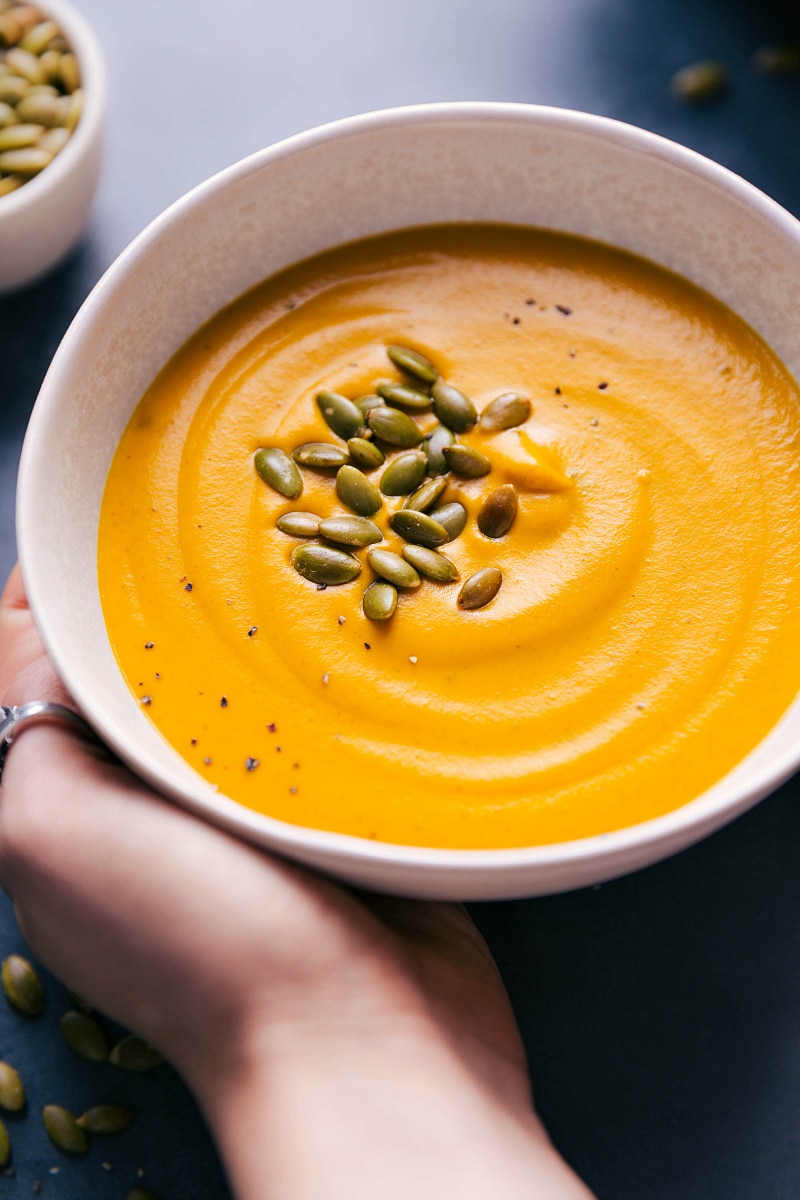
{"x":616,"y":624}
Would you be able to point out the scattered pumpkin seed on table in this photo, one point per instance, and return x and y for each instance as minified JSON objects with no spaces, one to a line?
{"x":137,"y":1193}
{"x":85,"y":1036}
{"x":105,"y":1119}
{"x":12,"y":1089}
{"x":132,"y":1054}
{"x":22,"y":986}
{"x":63,"y":1130}
{"x":5,"y":1145}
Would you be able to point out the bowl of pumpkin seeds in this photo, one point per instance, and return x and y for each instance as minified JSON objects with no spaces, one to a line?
{"x":52,"y":115}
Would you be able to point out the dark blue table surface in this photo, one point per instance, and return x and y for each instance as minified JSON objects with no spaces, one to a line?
{"x":661,"y":1012}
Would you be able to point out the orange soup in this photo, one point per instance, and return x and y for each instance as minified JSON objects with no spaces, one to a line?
{"x":646,"y":632}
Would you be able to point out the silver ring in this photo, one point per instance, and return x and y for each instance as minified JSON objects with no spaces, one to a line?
{"x":15,"y":718}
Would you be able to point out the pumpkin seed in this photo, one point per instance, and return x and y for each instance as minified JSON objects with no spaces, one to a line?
{"x":41,"y":110}
{"x":405,"y":396}
{"x":137,"y":1193}
{"x":277,"y":469}
{"x":27,"y":162}
{"x":365,"y":454}
{"x":36,"y":40}
{"x":132,"y":1054}
{"x":73,"y":109}
{"x":21,"y":985}
{"x":50,"y":63}
{"x":480,"y":588}
{"x":394,"y":427}
{"x":321,"y":456}
{"x":418,"y":527}
{"x":424,"y":498}
{"x":23,"y":63}
{"x":13,"y":88}
{"x":323,"y":564}
{"x":70,"y":72}
{"x":8,"y":115}
{"x":64,"y":1130}
{"x":431,"y":564}
{"x":10,"y":183}
{"x":698,"y":82}
{"x":299,"y":524}
{"x":12,"y":1090}
{"x":365,"y":403}
{"x":340,"y":414}
{"x":379,"y":601}
{"x":356,"y":491}
{"x":777,"y":60}
{"x":434,"y":442}
{"x":497,"y":513}
{"x":106,"y":1118}
{"x":85,"y":1036}
{"x":467,"y":461}
{"x":16,"y":137}
{"x":54,"y":140}
{"x":413,"y":362}
{"x":452,"y":407}
{"x":505,"y":412}
{"x":5,"y":1145}
{"x":351,"y":531}
{"x":404,"y":474}
{"x":393,"y":568}
{"x":453,"y":516}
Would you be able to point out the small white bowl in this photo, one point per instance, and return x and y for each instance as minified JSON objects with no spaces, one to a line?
{"x":41,"y":221}
{"x":387,"y":170}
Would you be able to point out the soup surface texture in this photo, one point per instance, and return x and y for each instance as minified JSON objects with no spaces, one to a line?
{"x":647,"y":632}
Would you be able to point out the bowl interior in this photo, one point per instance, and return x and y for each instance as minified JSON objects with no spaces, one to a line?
{"x":503,"y":163}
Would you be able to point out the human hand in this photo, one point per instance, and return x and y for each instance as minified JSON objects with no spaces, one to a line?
{"x":339,"y":1044}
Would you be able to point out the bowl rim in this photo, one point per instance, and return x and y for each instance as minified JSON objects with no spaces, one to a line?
{"x":94,"y":82}
{"x":703,"y":814}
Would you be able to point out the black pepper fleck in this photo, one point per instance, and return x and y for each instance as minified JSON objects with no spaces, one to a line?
{"x":194,"y":741}
{"x":251,"y":764}
{"x":322,"y":587}
{"x":224,"y":702}
{"x":530,"y":301}
{"x":149,"y":645}
{"x":277,"y":749}
{"x":272,"y":727}
{"x":602,"y":386}
{"x":367,"y":646}
{"x":188,"y":587}
{"x":558,"y":391}
{"x":253,"y":629}
{"x":147,"y":701}
{"x":516,"y":320}
{"x":562,"y":308}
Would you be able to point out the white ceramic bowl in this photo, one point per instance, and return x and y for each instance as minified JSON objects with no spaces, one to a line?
{"x":509,"y":163}
{"x":42,"y":221}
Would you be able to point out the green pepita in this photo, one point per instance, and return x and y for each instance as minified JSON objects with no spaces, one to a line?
{"x":321,"y":456}
{"x":393,"y":568}
{"x":37,"y":39}
{"x":506,"y":412}
{"x":452,"y":407}
{"x":453,"y":516}
{"x":323,"y":564}
{"x":350,"y":531}
{"x":424,"y":498}
{"x":277,"y":469}
{"x":434,"y":442}
{"x":418,"y":527}
{"x":365,"y":403}
{"x":379,"y":602}
{"x":85,"y":1036}
{"x":480,"y":588}
{"x":299,"y":524}
{"x":394,"y":427}
{"x":105,"y":1119}
{"x":12,"y":1090}
{"x":132,"y":1054}
{"x":21,"y":985}
{"x":431,"y":564}
{"x":357,"y":492}
{"x":17,"y":137}
{"x":340,"y":414}
{"x":137,"y":1193}
{"x":8,"y":115}
{"x":63,"y":1130}
{"x":699,"y":82}
{"x":13,"y":88}
{"x":365,"y":454}
{"x":41,"y":110}
{"x":405,"y":396}
{"x":5,"y":1146}
{"x":10,"y":183}
{"x":413,"y":362}
{"x":466,"y":461}
{"x":404,"y":474}
{"x":23,"y":63}
{"x":70,"y":72}
{"x":496,"y":514}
